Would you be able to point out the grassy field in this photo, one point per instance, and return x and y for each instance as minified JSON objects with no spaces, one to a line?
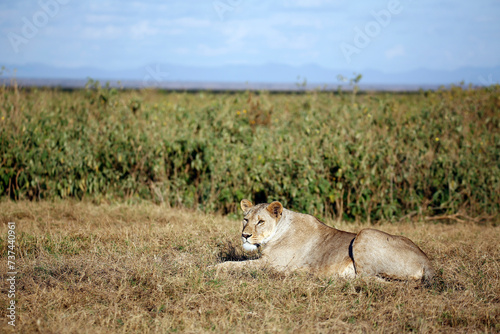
{"x":86,"y":268}
{"x":123,"y":199}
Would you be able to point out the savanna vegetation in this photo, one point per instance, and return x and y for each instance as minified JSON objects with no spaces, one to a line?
{"x":373,"y":156}
{"x":123,"y":199}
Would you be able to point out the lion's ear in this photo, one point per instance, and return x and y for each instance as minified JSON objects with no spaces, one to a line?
{"x":275,"y":209}
{"x":245,"y":205}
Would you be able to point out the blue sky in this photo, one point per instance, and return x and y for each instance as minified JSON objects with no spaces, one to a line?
{"x":112,"y":34}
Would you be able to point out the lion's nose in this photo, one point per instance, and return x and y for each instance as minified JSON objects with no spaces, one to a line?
{"x":246,"y":235}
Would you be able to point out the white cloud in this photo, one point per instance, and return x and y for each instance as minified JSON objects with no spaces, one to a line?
{"x":107,"y":32}
{"x":309,"y":3}
{"x":206,"y":50}
{"x":143,"y":29}
{"x":275,"y":31}
{"x":190,"y":22}
{"x":396,"y":51}
{"x":102,"y":18}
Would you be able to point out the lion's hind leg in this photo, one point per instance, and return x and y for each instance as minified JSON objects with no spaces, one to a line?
{"x":380,"y":254}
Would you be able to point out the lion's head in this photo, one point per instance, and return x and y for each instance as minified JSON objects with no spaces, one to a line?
{"x":259,"y":223}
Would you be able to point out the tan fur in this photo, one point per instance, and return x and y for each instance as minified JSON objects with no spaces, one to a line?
{"x":291,"y":241}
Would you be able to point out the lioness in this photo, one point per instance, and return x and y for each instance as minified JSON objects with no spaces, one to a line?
{"x":294,"y":241}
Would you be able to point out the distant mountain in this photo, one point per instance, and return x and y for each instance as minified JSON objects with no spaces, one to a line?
{"x":156,"y":74}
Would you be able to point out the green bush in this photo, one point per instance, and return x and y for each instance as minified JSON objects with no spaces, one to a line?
{"x":371,"y":156}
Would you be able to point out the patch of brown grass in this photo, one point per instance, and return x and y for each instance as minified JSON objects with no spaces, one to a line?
{"x":144,"y":268}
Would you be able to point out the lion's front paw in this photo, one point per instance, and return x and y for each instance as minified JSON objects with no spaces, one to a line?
{"x":228,"y":265}
{"x":217,"y":266}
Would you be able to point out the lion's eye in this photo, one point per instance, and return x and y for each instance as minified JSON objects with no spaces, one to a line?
{"x":260,"y":222}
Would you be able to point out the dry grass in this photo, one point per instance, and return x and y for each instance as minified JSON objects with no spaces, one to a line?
{"x":143,"y":268}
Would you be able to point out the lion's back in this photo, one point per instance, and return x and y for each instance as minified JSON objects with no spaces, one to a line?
{"x":314,"y":246}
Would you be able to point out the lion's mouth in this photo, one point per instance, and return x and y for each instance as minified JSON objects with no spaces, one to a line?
{"x":250,"y":247}
{"x":256,"y":244}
